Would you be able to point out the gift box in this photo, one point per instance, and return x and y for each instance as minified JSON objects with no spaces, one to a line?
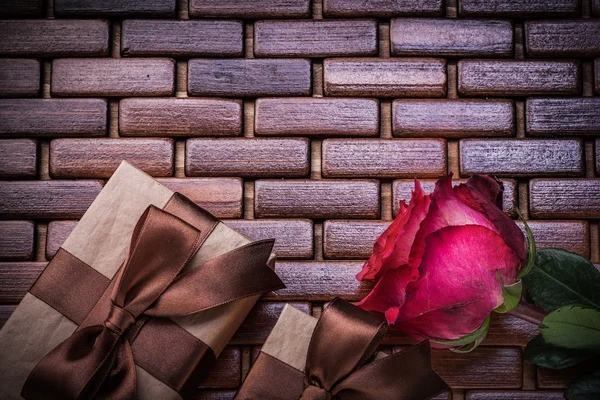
{"x":139,"y":301}
{"x":336,"y":357}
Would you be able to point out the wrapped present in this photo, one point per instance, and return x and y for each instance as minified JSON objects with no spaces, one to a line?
{"x":137,"y":303}
{"x":336,"y":357}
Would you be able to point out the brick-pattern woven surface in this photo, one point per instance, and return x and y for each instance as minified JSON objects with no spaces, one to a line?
{"x":305,"y":121}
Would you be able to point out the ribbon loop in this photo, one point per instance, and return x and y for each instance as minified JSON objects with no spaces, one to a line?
{"x":161,"y":246}
{"x":344,"y":339}
{"x":203,"y":287}
{"x":119,"y":320}
{"x":403,"y":376}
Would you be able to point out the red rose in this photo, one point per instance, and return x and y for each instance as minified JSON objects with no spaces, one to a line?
{"x":437,"y":266}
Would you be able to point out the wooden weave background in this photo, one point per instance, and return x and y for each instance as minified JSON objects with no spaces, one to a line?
{"x":315,"y":144}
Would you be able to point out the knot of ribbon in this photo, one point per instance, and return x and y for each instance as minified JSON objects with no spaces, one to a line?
{"x":119,"y":320}
{"x":96,"y":361}
{"x":342,"y":364}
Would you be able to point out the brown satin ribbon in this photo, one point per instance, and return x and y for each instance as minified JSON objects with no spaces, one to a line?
{"x":338,"y":367}
{"x":97,"y":361}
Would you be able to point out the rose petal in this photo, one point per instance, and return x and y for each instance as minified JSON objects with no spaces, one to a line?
{"x":491,"y":189}
{"x":458,"y":287}
{"x":487,"y":193}
{"x":464,"y":194}
{"x":388,"y":294}
{"x":383,"y":246}
{"x":446,"y":209}
{"x":392,"y":247}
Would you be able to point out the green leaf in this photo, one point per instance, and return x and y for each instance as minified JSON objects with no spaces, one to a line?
{"x":475,"y":337}
{"x":586,"y":387}
{"x":548,"y":356}
{"x":573,"y":327}
{"x":560,"y":278}
{"x":511,"y":295}
{"x":531,"y":251}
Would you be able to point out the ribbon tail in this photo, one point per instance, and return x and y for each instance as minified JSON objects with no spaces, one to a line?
{"x":120,"y":383}
{"x":239,"y":273}
{"x":78,"y":367}
{"x":404,"y":376}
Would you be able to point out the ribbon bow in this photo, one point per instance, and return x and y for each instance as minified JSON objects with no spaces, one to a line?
{"x":337,"y":367}
{"x":97,"y":360}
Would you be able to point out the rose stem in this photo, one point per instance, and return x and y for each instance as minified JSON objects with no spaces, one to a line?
{"x":528,"y":312}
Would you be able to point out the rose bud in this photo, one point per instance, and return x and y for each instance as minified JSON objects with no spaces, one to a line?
{"x":446,"y":262}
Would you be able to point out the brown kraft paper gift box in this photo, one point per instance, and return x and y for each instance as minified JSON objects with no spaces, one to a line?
{"x":101,"y":240}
